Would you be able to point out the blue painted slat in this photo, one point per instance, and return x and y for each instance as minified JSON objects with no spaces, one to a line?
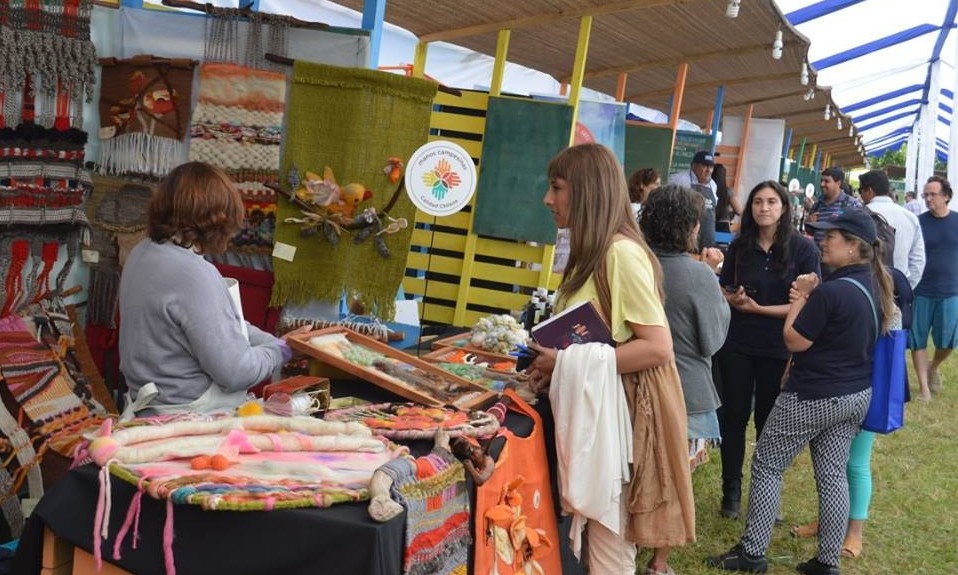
{"x":884,"y":121}
{"x":374,"y":17}
{"x":717,"y":114}
{"x":875,"y":45}
{"x":883,"y":111}
{"x":817,"y":10}
{"x":881,"y":98}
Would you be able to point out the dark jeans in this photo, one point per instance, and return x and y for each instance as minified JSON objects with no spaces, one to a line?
{"x":742,"y":377}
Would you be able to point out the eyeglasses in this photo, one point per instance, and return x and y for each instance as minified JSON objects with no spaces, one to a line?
{"x":930,"y":194}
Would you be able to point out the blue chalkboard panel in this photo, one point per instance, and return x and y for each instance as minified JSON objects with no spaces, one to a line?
{"x":521,"y":137}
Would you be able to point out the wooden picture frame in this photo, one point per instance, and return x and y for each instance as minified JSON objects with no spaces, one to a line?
{"x":462,"y":341}
{"x":440,"y":387}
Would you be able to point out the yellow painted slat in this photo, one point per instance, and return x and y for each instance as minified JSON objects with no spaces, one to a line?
{"x":439,"y":264}
{"x":472,"y":147}
{"x":457,"y":220}
{"x":504,"y":249}
{"x":470,"y":317}
{"x":503,"y":274}
{"x":438,"y":240}
{"x":440,"y":314}
{"x":554,"y":281}
{"x":458,"y":122}
{"x":436,"y":289}
{"x":473,"y":100}
{"x":494,"y":298}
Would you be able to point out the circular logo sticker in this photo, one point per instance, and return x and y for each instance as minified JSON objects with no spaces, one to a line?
{"x":440,"y":178}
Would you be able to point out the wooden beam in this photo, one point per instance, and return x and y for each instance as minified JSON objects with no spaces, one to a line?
{"x":548,"y":18}
{"x":578,"y":71}
{"x":419,"y":60}
{"x":714,"y":83}
{"x":669,"y":62}
{"x":744,"y":103}
{"x":499,"y":66}
{"x":620,"y":87}
{"x":677,"y":95}
{"x":742,"y":151}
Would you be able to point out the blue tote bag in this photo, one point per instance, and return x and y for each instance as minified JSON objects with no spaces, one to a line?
{"x":886,"y":413}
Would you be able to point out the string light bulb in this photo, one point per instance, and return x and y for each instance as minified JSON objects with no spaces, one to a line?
{"x":838,"y":123}
{"x":828,"y":112}
{"x":731,"y":11}
{"x":851,"y":131}
{"x":809,"y":95}
{"x":804,"y":73}
{"x":778,"y":45}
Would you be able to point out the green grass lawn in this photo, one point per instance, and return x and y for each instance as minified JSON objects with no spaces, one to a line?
{"x":913,"y":523}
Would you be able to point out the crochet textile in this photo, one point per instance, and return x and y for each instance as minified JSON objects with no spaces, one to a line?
{"x":144,"y":112}
{"x":407,"y":421}
{"x":237,"y":125}
{"x":117,"y":208}
{"x":433,"y":491}
{"x":352,"y":120}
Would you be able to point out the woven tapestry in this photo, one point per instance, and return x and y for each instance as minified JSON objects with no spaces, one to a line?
{"x":45,"y":392}
{"x":433,"y":491}
{"x":45,"y":53}
{"x":144,"y":113}
{"x":237,"y":125}
{"x":352,"y":121}
{"x":27,"y":257}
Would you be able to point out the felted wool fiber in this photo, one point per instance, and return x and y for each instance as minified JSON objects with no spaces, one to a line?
{"x":351,"y":120}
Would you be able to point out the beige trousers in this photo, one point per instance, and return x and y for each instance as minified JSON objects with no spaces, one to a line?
{"x":610,"y":554}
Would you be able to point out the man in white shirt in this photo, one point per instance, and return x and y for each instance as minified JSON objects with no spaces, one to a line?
{"x":912,"y":204}
{"x":699,"y":179}
{"x":909,"y":256}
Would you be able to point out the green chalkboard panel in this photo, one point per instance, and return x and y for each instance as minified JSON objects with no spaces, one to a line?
{"x":521,"y":137}
{"x":686,"y":144}
{"x":647,"y":147}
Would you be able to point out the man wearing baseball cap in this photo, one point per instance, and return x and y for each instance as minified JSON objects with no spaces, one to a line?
{"x":699,"y":179}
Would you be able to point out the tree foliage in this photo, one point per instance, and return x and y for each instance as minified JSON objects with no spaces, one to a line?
{"x":897,"y":158}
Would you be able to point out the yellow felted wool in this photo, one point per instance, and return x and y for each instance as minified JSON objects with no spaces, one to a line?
{"x":352,"y":120}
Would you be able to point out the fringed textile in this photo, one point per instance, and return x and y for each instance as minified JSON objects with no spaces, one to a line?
{"x":406,"y":421}
{"x":144,"y":113}
{"x":27,"y":257}
{"x":237,"y":126}
{"x":352,"y":120}
{"x":433,"y":491}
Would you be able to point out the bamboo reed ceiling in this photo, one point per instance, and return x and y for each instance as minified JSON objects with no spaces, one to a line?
{"x":648,"y":39}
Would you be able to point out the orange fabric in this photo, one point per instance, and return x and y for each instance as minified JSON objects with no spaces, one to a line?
{"x":525,"y":457}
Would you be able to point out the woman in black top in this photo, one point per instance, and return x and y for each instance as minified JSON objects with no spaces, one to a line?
{"x":831,"y":331}
{"x":759,"y":268}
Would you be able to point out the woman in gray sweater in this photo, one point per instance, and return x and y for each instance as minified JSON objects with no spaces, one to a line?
{"x":697,"y":312}
{"x":183,"y":346}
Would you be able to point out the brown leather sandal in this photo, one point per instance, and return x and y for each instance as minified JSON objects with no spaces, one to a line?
{"x":805,"y":531}
{"x":852,"y":547}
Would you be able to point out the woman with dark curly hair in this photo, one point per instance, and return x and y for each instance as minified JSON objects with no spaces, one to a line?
{"x":182,"y":343}
{"x":697,"y":313}
{"x":760,"y":266}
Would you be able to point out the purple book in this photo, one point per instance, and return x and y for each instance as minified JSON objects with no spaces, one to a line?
{"x":580,"y":323}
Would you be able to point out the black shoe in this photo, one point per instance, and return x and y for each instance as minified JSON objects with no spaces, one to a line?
{"x":736,"y":559}
{"x":815,"y":567}
{"x":779,"y":519}
{"x":731,"y":498}
{"x":730,"y":508}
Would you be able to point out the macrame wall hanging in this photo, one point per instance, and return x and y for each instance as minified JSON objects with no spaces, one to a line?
{"x":47,"y":68}
{"x":237,"y":123}
{"x":144,"y":113}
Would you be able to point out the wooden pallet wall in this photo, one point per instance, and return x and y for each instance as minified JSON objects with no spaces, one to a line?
{"x":459,"y":276}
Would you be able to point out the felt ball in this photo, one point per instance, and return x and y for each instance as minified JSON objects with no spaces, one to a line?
{"x":219,"y":462}
{"x":251,"y":407}
{"x":201,"y":462}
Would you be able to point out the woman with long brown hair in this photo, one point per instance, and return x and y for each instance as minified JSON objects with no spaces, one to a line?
{"x":611,"y":266}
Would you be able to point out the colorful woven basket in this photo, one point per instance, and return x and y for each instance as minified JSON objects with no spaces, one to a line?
{"x":404,"y":421}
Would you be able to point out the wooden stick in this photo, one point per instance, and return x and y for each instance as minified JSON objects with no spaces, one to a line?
{"x":285,"y":60}
{"x":245,"y":11}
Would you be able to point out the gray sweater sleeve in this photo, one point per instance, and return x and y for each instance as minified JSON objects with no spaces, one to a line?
{"x":712,"y":313}
{"x":216,"y":339}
